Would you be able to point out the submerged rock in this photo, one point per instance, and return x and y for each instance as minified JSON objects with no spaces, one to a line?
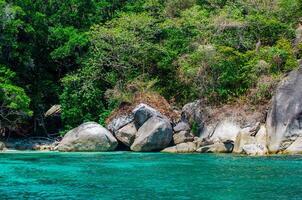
{"x":284,"y":121}
{"x":127,"y":134}
{"x":89,"y":136}
{"x":154,"y":134}
{"x":188,"y":147}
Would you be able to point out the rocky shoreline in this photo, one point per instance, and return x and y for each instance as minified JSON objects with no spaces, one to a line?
{"x":145,"y":129}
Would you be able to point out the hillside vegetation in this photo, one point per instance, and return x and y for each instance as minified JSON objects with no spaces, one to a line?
{"x":90,"y":56}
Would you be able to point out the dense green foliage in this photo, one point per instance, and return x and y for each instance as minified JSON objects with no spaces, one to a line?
{"x":14,"y":106}
{"x":91,"y":55}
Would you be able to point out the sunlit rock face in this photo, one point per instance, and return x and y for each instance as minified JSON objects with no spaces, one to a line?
{"x":284,"y":121}
{"x":155,"y":134}
{"x":250,"y":142}
{"x":126,"y":134}
{"x":225,"y":130}
{"x":89,"y":136}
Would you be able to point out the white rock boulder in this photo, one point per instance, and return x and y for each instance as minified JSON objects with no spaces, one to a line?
{"x":89,"y":136}
{"x":226,"y":130}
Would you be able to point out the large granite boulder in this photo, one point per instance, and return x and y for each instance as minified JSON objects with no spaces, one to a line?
{"x":89,"y":136}
{"x":188,"y":147}
{"x":126,"y":134}
{"x":284,"y":121}
{"x":155,"y":134}
{"x":142,"y":113}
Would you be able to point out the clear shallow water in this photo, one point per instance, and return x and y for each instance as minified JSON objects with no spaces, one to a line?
{"x":124,"y":175}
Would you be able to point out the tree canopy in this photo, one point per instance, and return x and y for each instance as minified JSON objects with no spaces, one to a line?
{"x":91,"y":55}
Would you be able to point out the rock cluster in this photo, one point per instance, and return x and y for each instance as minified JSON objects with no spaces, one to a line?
{"x":251,"y":141}
{"x":146,"y":129}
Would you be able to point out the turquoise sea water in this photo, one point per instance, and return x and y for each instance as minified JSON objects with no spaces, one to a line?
{"x":125,"y":175}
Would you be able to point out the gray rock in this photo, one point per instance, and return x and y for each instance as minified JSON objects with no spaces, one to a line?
{"x":154,"y":134}
{"x":188,"y":147}
{"x":295,"y":147}
{"x":181,"y":126}
{"x":192,"y":114}
{"x":142,"y":113}
{"x":126,"y":134}
{"x":243,"y":138}
{"x":119,"y":122}
{"x":284,"y":121}
{"x":219,"y":147}
{"x":89,"y":136}
{"x":182,"y":136}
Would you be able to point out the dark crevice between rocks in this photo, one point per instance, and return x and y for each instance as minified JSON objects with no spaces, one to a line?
{"x":122,"y":147}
